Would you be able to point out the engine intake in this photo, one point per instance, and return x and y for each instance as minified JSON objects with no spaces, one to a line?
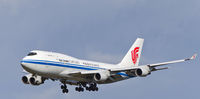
{"x":143,"y":71}
{"x":102,"y":76}
{"x":36,"y":80}
{"x":25,"y":79}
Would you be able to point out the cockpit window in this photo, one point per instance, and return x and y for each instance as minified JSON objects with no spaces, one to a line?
{"x":32,"y":54}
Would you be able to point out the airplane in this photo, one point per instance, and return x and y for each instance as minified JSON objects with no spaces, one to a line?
{"x":86,"y":75}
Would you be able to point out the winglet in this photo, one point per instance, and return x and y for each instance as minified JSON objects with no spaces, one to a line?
{"x":194,"y":56}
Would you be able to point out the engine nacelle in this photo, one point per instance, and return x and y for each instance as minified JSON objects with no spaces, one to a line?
{"x":102,"y":76}
{"x":142,"y":71}
{"x":25,"y":79}
{"x":36,"y":80}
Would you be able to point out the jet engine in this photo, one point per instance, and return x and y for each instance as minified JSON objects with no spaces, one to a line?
{"x":143,"y":71}
{"x":25,"y":79}
{"x":36,"y":80}
{"x":102,"y":76}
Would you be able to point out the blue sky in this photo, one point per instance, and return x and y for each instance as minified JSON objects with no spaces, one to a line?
{"x":102,"y":31}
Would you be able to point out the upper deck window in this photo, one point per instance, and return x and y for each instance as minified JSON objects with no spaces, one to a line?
{"x":32,"y":54}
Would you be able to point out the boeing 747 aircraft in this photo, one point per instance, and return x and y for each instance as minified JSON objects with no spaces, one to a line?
{"x":85,"y":75}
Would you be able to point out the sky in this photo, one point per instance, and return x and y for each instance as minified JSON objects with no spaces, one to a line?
{"x":102,"y":30}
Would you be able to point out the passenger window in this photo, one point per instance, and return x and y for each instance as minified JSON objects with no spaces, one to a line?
{"x":32,"y":54}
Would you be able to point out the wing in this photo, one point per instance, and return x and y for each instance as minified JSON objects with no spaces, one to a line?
{"x":155,"y":65}
{"x":172,"y":62}
{"x":124,"y":69}
{"x":66,"y":72}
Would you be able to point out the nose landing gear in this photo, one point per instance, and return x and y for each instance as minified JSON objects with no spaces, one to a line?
{"x":64,"y":88}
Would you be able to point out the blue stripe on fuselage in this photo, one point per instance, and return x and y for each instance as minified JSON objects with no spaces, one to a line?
{"x":59,"y":64}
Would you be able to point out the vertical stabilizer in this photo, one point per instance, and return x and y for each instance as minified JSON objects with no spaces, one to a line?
{"x":132,"y":58}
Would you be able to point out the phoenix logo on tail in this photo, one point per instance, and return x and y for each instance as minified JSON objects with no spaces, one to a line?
{"x":134,"y":54}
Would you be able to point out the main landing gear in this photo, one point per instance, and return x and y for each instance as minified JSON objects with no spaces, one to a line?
{"x":92,"y":87}
{"x":64,"y":88}
{"x":81,"y":87}
{"x":88,"y":87}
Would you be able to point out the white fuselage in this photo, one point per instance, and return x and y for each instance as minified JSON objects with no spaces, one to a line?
{"x":51,"y":65}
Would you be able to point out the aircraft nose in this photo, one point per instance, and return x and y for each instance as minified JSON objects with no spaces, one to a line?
{"x":23,"y":64}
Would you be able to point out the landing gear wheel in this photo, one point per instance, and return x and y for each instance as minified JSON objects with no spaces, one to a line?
{"x":87,"y":88}
{"x":79,"y":89}
{"x":64,"y":88}
{"x":63,"y":91}
{"x":66,"y":91}
{"x":95,"y":89}
{"x":92,"y":87}
{"x":82,"y":89}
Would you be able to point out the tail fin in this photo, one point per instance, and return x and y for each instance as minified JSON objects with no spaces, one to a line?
{"x":132,"y":58}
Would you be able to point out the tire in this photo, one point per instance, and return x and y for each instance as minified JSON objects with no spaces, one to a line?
{"x":89,"y":89}
{"x":62,"y":87}
{"x":93,"y":89}
{"x":66,"y":91}
{"x":63,"y":91}
{"x":79,"y":89}
{"x":82,"y":89}
{"x":97,"y":89}
{"x":76,"y":88}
